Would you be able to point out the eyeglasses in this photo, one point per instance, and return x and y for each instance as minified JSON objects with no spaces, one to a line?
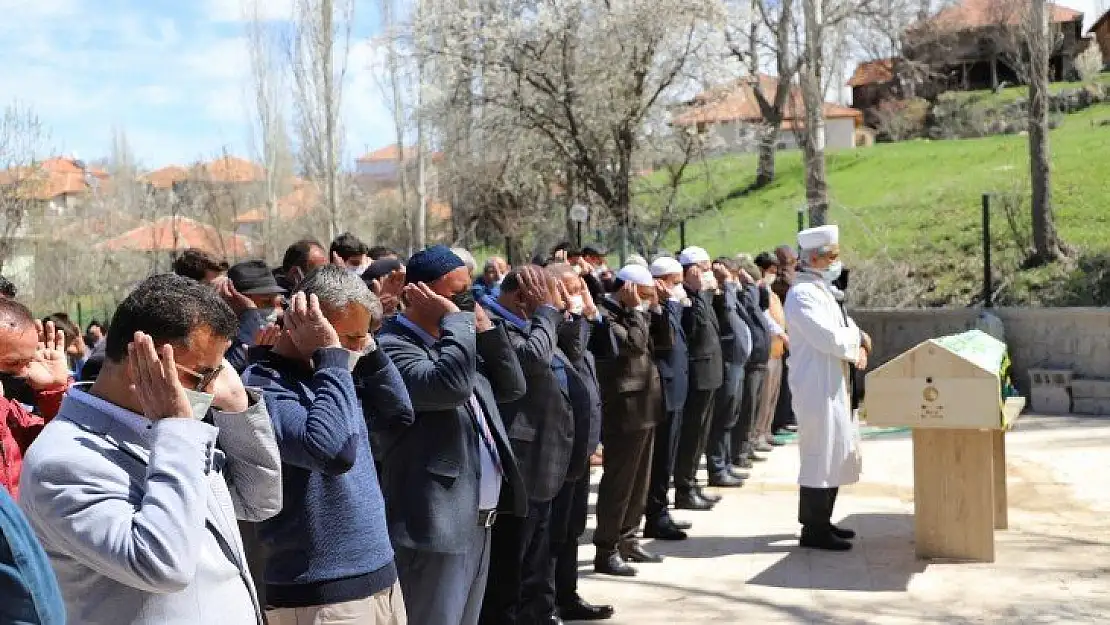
{"x":205,"y":377}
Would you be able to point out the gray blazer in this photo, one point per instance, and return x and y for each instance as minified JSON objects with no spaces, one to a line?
{"x":430,"y":465}
{"x":140,"y":525}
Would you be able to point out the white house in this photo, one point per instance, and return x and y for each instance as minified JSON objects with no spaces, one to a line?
{"x":730,"y":117}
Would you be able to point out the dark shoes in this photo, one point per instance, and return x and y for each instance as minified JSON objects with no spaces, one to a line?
{"x":841,"y":532}
{"x":737,"y":473}
{"x":743,"y":462}
{"x":663,"y":530}
{"x":633,"y":551}
{"x":691,"y":501}
{"x":825,"y":540}
{"x":611,"y":563}
{"x":725,"y":479}
{"x":579,"y":610}
{"x":761,"y":446}
{"x":682,"y":525}
{"x":710,"y":497}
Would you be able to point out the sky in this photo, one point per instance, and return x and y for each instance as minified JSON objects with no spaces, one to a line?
{"x":172,"y":74}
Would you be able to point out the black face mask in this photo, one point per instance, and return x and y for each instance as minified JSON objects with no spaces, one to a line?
{"x":464,"y":300}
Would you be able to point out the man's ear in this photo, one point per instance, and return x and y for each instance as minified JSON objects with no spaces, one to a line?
{"x":295,"y":276}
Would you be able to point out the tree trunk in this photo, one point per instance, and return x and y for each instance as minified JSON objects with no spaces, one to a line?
{"x":419,"y":228}
{"x":327,"y":46}
{"x":1047,"y":247}
{"x":768,"y":143}
{"x":814,"y":144}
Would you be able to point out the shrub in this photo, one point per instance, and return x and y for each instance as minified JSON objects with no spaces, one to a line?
{"x":898,"y":120}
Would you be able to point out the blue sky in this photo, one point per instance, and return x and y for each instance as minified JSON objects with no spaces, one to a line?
{"x":173,"y":74}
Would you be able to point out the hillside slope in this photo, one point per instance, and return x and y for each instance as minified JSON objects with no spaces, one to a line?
{"x":910,"y":213}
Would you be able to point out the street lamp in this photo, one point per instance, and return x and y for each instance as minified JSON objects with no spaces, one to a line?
{"x":801,"y":217}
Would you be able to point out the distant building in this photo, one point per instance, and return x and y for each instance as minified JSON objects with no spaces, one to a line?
{"x":730,"y":116}
{"x":970,"y":45}
{"x":1101,"y":32}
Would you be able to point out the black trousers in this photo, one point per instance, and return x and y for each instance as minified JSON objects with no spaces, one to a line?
{"x":784,"y":410}
{"x":662,"y":467}
{"x":691,"y":442}
{"x":568,"y":523}
{"x":749,"y":410}
{"x":726,"y":413}
{"x":815,"y":508}
{"x":518,"y":567}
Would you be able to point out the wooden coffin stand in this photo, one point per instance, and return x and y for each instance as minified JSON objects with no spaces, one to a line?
{"x":959,"y":422}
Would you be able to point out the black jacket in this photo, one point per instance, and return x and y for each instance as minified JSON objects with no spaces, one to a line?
{"x":674,"y":362}
{"x":751,"y":311}
{"x":578,"y":337}
{"x":703,"y":340}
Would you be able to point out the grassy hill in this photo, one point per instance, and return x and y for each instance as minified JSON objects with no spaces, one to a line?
{"x":910,"y":214}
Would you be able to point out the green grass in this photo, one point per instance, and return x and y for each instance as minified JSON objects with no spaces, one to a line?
{"x":916,"y":202}
{"x":988,"y":99}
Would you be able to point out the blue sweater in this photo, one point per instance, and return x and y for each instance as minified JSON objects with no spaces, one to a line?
{"x":330,"y":542}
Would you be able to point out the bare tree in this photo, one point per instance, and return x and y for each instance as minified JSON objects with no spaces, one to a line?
{"x":768,"y":28}
{"x":269,"y":132}
{"x":319,"y":51}
{"x":1046,"y":243}
{"x":22,"y":145}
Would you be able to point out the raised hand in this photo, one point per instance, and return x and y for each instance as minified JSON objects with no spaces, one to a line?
{"x":227,"y":391}
{"x":589,"y":308}
{"x":533,"y":284}
{"x":629,"y":296}
{"x":693,"y":277}
{"x":267,"y":336}
{"x":662,"y":292}
{"x":50,"y":368}
{"x":422,"y":298}
{"x":482,"y":321}
{"x":239,"y":303}
{"x":154,"y":375}
{"x":561,"y":296}
{"x":389,"y":291}
{"x":306,"y":325}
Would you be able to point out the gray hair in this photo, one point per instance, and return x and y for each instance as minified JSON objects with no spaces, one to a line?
{"x":337,"y":288}
{"x":466,"y":257}
{"x":804,"y":257}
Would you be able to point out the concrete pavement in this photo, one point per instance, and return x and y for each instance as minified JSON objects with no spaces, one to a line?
{"x":742,"y":564}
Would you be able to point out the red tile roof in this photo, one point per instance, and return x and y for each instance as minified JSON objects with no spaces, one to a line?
{"x":51,"y":178}
{"x":737,"y":102}
{"x":972,"y":14}
{"x":391,"y":152}
{"x":872,"y":73}
{"x":299,"y":203}
{"x":159,"y":236}
{"x":166,"y":177}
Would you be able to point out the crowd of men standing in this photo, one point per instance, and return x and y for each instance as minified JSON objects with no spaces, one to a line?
{"x":356,"y":438}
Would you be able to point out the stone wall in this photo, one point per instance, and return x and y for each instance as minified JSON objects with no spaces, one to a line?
{"x":1067,"y":338}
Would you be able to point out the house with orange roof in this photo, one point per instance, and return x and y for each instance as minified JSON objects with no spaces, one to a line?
{"x":730,"y":116}
{"x":968,"y":45}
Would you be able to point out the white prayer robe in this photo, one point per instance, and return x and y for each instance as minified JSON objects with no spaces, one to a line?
{"x":822,"y":344}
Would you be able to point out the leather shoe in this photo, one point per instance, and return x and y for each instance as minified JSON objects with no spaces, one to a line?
{"x":737,"y":473}
{"x":710,"y":497}
{"x":761,"y":446}
{"x":579,"y":610}
{"x":725,"y":479}
{"x":633,"y":551}
{"x":554,"y":619}
{"x":664,"y":531}
{"x":825,"y":540}
{"x":611,"y":563}
{"x":841,"y":532}
{"x":691,"y":501}
{"x":743,"y":462}
{"x":682,"y":525}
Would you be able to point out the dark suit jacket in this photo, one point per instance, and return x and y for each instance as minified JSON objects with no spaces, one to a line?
{"x":674,"y":363}
{"x":736,"y":338}
{"x":631,"y":389}
{"x":703,"y":340}
{"x":430,"y":467}
{"x":577,"y":337}
{"x":540,"y":424}
{"x":751,"y":311}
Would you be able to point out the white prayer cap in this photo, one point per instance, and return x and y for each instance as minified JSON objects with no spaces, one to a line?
{"x":816,"y":238}
{"x":636,"y":259}
{"x":665,"y":265}
{"x":693,"y":255}
{"x":636,"y":274}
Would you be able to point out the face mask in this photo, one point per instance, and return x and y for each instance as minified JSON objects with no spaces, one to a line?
{"x":464,"y":300}
{"x":200,"y":402}
{"x":576,"y":304}
{"x":769,"y":279}
{"x":830,"y":274}
{"x":678,"y":293}
{"x":708,"y":281}
{"x":644,"y":306}
{"x":353,"y":357}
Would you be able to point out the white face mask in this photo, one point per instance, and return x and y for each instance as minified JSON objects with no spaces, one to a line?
{"x":644,"y":306}
{"x":358,"y":271}
{"x":833,"y":272}
{"x":769,"y":279}
{"x":353,"y":357}
{"x":708,"y":281}
{"x":576,"y":304}
{"x":199,"y":402}
{"x":678,"y":293}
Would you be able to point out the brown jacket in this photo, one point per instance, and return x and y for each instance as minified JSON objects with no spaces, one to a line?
{"x":778,"y":347}
{"x":631,"y":390}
